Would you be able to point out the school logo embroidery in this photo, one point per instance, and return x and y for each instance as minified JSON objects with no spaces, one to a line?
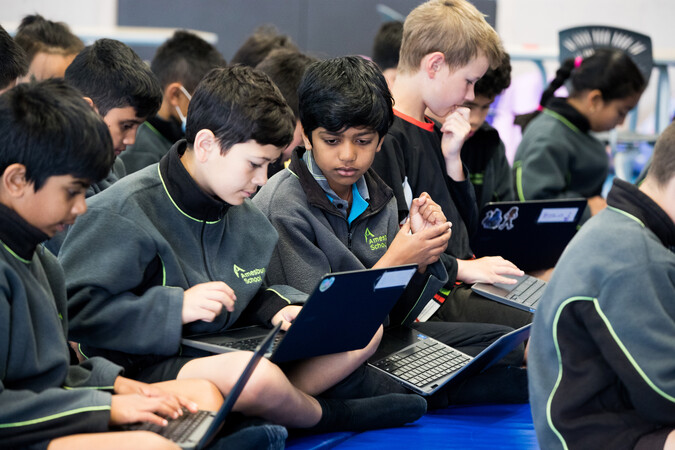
{"x":375,"y":242}
{"x":251,"y":276}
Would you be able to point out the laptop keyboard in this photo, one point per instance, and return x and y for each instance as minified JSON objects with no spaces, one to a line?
{"x":177,"y":430}
{"x":253,"y":343}
{"x":528,"y":292}
{"x":423,"y":363}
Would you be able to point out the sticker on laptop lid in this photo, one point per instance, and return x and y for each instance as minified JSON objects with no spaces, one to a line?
{"x":326,"y":284}
{"x":557,"y":215}
{"x":496,"y":220}
{"x":394,"y":278}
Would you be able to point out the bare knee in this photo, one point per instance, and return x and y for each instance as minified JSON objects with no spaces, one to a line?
{"x":109,"y":441}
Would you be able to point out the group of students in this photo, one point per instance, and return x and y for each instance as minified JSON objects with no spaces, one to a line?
{"x":363,"y":178}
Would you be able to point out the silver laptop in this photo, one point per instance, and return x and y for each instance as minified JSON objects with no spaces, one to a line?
{"x":424,"y":365}
{"x":525,"y":294}
{"x":196,"y":430}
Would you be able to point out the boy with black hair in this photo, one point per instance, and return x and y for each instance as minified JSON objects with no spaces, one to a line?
{"x":334,"y":214}
{"x":179,"y":64}
{"x":122,"y":89}
{"x":601,"y":365}
{"x":259,"y":44}
{"x":178,"y":235}
{"x":13,"y":61}
{"x":52,"y":145}
{"x":419,"y":156}
{"x":386,"y":48}
{"x":50,"y":46}
{"x":285,"y":67}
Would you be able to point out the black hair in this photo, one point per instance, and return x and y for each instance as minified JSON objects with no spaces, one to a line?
{"x":239,"y":104}
{"x":37,"y":34}
{"x":387,"y":44}
{"x":13,"y":60}
{"x":49,"y":128}
{"x":286,"y":67}
{"x":495,"y":80}
{"x":258,"y":45}
{"x":185,"y":58}
{"x":114,"y":76}
{"x":610,"y":71}
{"x":345,"y":92}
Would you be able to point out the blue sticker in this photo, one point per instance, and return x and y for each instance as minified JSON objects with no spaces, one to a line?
{"x":326,"y":284}
{"x":421,"y":336}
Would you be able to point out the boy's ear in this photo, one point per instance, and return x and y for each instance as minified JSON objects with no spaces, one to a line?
{"x":91,"y":103}
{"x":379,"y":146}
{"x":205,"y":145}
{"x":172,"y":93}
{"x":432,"y":63}
{"x":305,"y":139}
{"x":14,"y":181}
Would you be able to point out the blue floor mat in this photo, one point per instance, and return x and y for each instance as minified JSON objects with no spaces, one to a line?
{"x":465,"y":427}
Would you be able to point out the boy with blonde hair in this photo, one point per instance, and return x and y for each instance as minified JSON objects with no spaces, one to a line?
{"x":446,"y":48}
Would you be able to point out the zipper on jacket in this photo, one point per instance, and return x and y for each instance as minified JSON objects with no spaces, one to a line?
{"x":349,"y":239}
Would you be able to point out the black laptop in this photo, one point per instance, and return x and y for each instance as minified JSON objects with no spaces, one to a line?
{"x":424,"y":365}
{"x":531,"y":234}
{"x":196,"y":430}
{"x":342,"y":314}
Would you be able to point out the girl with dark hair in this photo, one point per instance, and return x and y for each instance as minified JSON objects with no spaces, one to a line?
{"x":558,"y":157}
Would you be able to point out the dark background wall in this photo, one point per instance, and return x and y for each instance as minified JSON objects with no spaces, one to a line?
{"x":322,"y":27}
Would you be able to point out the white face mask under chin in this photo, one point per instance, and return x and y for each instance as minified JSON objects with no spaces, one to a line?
{"x":183,"y":119}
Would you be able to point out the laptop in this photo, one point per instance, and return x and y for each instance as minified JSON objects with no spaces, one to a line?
{"x":342,"y":314}
{"x":525,"y":294}
{"x":196,"y":430}
{"x":530,"y":234}
{"x":424,"y":365}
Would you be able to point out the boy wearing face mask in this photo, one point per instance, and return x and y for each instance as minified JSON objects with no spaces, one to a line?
{"x":179,"y":64}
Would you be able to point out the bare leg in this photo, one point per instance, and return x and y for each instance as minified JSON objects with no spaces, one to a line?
{"x":670,"y":441}
{"x":268,"y":393}
{"x":131,"y":440}
{"x":202,"y":392}
{"x":315,"y":375}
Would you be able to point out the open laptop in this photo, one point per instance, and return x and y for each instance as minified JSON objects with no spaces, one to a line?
{"x":342,"y":314}
{"x":531,"y":234}
{"x":196,"y":430}
{"x":424,"y":365}
{"x":525,"y":294}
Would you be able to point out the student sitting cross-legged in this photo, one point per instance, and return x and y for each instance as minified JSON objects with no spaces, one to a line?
{"x":52,"y":146}
{"x":333,"y":213}
{"x":156,"y":257}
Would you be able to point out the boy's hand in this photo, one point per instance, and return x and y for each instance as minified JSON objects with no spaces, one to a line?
{"x":489,"y":269}
{"x":422,"y":248}
{"x":130,"y":408}
{"x":455,"y":128}
{"x":206,"y":300}
{"x":286,"y":316}
{"x":425,"y":213}
{"x":127,"y":386}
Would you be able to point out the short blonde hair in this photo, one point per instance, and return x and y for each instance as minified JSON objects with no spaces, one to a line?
{"x":662,"y":167}
{"x":453,"y":27}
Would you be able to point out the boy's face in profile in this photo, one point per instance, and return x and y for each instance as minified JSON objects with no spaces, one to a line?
{"x":56,"y":204}
{"x":449,"y":89}
{"x":480,"y":106}
{"x":345,"y":156}
{"x":123,"y":125}
{"x":237,"y":175}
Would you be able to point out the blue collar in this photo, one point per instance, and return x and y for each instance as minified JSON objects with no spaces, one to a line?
{"x":360,"y":195}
